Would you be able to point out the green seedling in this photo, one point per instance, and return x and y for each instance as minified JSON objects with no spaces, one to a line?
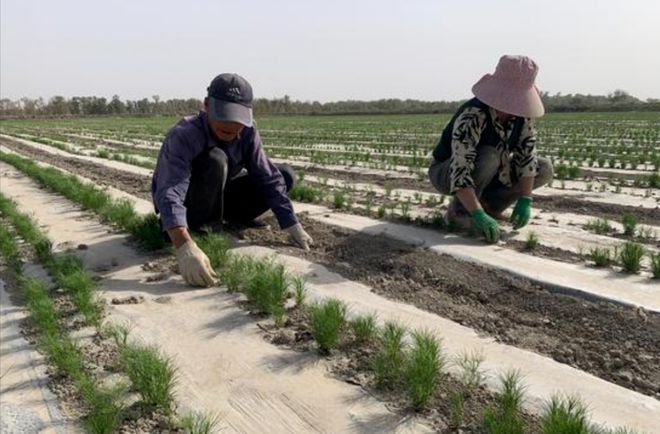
{"x":423,"y":368}
{"x":327,"y":319}
{"x":389,"y":362}
{"x":601,"y":256}
{"x":152,"y":374}
{"x":629,"y":224}
{"x":532,"y":241}
{"x":471,"y":374}
{"x":268,"y":289}
{"x":506,"y":416}
{"x":340,"y":201}
{"x":456,"y":408}
{"x":216,"y":248}
{"x":364,"y":328}
{"x":565,"y":416}
{"x":599,"y":226}
{"x":655,"y":264}
{"x":237,"y":273}
{"x":631,"y":256}
{"x":197,"y":422}
{"x":305,"y":193}
{"x":300,"y":290}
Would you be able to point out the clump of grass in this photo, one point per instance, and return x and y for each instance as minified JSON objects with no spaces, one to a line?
{"x":299,"y":290}
{"x":268,"y":289}
{"x":102,"y":153}
{"x":197,"y":422}
{"x":389,"y":362}
{"x":327,"y":320}
{"x":9,"y":250}
{"x":81,"y":289}
{"x":565,"y":416}
{"x":216,"y":248}
{"x":147,"y":230}
{"x":506,"y":416}
{"x":381,"y":211}
{"x":631,"y":256}
{"x":119,"y":212}
{"x":238,"y":271}
{"x":601,"y":256}
{"x":655,"y":264}
{"x":471,"y":375}
{"x":532,"y":241}
{"x":456,"y":408}
{"x":629,"y":224}
{"x":388,"y":189}
{"x":423,"y":368}
{"x":364,"y":328}
{"x":405,"y":209}
{"x":339,"y":200}
{"x":153,"y":375}
{"x":599,"y":226}
{"x":305,"y":193}
{"x":106,"y":407}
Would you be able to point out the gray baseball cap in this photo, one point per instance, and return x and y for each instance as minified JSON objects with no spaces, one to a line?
{"x":230,"y":99}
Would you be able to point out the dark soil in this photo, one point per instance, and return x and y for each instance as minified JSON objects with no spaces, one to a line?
{"x":546,"y":252}
{"x":608,"y":211}
{"x":610,"y":341}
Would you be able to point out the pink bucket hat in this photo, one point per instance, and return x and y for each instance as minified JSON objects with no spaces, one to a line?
{"x":511,"y":88}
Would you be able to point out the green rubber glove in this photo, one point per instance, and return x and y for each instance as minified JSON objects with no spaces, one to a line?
{"x":522,"y":212}
{"x":486,"y":224}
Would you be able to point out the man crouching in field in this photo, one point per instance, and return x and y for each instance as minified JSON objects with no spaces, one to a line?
{"x":486,"y":157}
{"x":212,"y":168}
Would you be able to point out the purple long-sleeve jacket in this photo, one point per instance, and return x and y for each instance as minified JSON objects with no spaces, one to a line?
{"x":189,"y":138}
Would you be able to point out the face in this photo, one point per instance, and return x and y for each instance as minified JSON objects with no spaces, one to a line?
{"x":504,"y":117}
{"x":225,"y":131}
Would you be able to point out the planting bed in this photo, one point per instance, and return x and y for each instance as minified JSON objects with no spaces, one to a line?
{"x":608,"y":173}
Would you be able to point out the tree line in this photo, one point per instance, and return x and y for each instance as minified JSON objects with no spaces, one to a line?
{"x":59,"y":106}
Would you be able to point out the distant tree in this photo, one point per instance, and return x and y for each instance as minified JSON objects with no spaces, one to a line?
{"x":116,"y":106}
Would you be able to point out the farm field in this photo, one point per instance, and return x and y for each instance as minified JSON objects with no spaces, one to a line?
{"x":571,"y":302}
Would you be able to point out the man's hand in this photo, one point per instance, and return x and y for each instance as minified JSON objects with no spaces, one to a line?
{"x":194,"y":265}
{"x":486,"y":224}
{"x":521,"y":212}
{"x":299,"y":236}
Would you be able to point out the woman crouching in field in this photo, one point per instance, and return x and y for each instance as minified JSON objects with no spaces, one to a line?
{"x":485,"y":157}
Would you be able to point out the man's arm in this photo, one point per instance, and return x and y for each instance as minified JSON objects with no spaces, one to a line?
{"x":172,"y":178}
{"x":270,"y":181}
{"x":179,"y":235}
{"x":171,"y":181}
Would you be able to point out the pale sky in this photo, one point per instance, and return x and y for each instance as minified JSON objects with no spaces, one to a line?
{"x":323,"y":50}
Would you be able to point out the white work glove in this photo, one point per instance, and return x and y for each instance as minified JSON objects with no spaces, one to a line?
{"x":299,"y":236}
{"x":194,"y":265}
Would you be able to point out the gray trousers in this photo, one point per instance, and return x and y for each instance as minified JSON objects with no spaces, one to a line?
{"x":488,"y":188}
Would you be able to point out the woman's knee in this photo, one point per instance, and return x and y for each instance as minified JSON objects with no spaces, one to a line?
{"x":544,"y":173}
